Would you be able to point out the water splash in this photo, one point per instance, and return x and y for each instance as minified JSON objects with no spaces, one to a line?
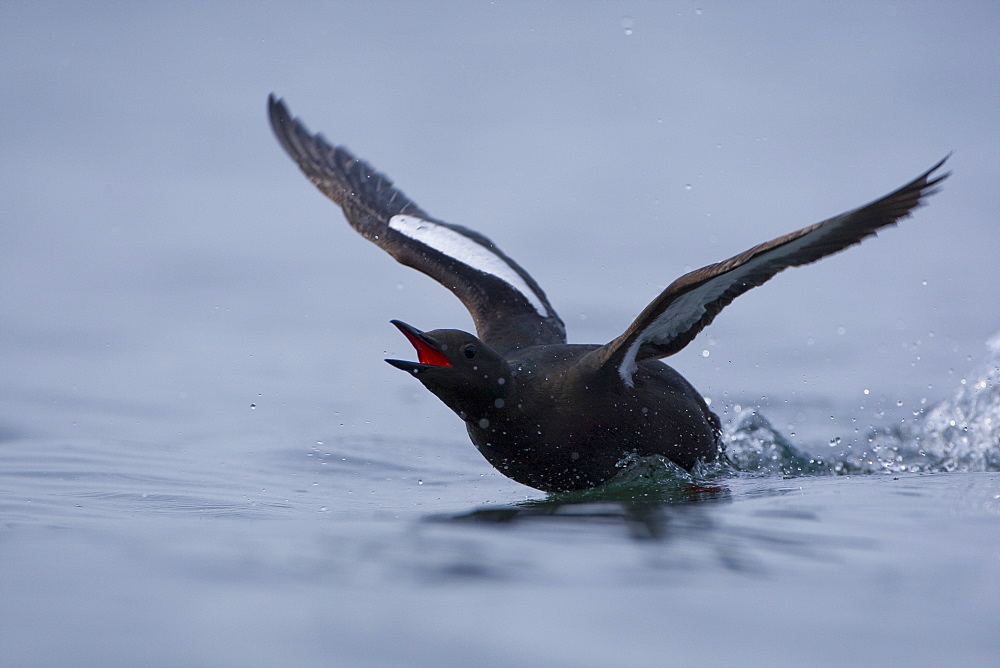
{"x":753,"y":445}
{"x":958,"y":434}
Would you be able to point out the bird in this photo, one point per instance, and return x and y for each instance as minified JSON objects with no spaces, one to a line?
{"x":548,"y":414}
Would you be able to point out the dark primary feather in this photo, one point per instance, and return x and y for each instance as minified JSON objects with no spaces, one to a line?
{"x":348,"y":181}
{"x":668,"y":324}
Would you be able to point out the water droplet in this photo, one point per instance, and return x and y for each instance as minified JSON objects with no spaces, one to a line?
{"x":705,"y":353}
{"x":253,"y":407}
{"x":688,"y":186}
{"x":627,"y":24}
{"x":698,"y":11}
{"x":484,"y":423}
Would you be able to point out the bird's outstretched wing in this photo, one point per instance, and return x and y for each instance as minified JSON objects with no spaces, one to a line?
{"x":509,"y":308}
{"x":691,"y":302}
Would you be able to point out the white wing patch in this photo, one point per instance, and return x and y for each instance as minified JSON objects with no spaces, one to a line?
{"x":468,"y":252}
{"x":687,"y":309}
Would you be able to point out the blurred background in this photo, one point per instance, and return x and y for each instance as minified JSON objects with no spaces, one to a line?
{"x":164,"y":266}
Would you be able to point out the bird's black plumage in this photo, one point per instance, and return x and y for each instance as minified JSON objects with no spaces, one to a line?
{"x":546,"y":413}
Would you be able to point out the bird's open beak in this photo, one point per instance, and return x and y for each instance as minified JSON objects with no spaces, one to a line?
{"x":427,"y":350}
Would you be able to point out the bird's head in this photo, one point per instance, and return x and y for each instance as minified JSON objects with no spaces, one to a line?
{"x":471,"y":378}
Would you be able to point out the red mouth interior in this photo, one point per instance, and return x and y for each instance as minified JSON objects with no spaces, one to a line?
{"x":426,"y":354}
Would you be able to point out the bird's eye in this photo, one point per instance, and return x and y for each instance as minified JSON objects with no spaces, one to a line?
{"x":469,"y":351}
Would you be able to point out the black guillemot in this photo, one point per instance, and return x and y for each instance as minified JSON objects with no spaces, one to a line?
{"x":545,"y":413}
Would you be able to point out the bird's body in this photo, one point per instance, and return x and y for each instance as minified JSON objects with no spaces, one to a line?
{"x":567,"y":422}
{"x":546,"y":413}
